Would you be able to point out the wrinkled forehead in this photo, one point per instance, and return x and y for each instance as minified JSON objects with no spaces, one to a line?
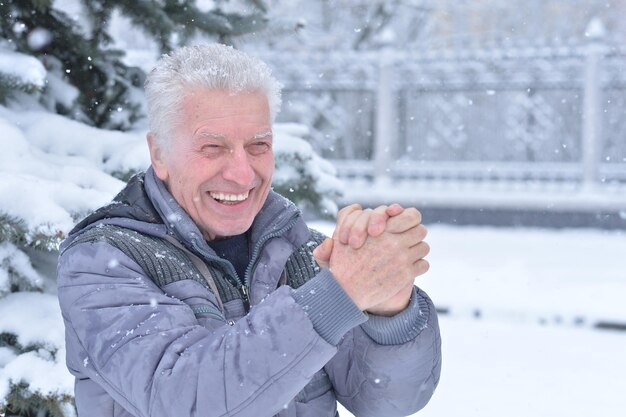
{"x":195,"y":89}
{"x":219,"y":97}
{"x":220,"y":111}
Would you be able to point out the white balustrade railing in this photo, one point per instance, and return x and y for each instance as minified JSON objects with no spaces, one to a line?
{"x":530,"y":113}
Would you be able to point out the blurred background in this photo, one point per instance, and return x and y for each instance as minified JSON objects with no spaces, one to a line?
{"x":503,"y":122}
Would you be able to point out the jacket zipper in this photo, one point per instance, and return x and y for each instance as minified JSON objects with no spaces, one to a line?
{"x":244,"y":287}
{"x":231,"y":270}
{"x":245,"y":296}
{"x":208,"y":309}
{"x":259,"y":245}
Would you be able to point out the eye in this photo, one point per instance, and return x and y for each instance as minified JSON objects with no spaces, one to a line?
{"x":259,"y":147}
{"x":211,"y":149}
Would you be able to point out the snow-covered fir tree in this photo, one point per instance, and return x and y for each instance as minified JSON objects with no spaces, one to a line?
{"x":86,"y":77}
{"x":71,"y":117}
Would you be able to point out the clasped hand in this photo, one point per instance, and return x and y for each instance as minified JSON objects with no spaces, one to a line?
{"x":375,"y":255}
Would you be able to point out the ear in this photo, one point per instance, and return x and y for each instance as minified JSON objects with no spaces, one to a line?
{"x":157,"y":156}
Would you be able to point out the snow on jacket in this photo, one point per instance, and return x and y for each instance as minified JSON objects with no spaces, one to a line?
{"x":140,"y":349}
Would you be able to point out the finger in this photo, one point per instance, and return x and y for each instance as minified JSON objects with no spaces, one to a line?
{"x":421,"y":267}
{"x":409,"y":238}
{"x":377,"y":222}
{"x":418,"y":233}
{"x":341,"y":216}
{"x":346,"y":211}
{"x":322,"y":253}
{"x":357,"y":234}
{"x":404,"y":221}
{"x":343,"y":230}
{"x":394,"y":210}
{"x":420,"y":251}
{"x":413,"y":254}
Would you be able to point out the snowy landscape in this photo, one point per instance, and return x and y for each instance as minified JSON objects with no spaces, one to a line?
{"x":521,"y":304}
{"x":532,"y":350}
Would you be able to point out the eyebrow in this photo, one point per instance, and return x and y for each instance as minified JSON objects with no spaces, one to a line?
{"x":262,"y":135}
{"x":212,"y":135}
{"x":220,"y":136}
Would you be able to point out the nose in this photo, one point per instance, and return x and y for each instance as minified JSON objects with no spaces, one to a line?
{"x":238,"y":168}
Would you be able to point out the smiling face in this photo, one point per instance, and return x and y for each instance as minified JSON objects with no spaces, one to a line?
{"x":219,"y":163}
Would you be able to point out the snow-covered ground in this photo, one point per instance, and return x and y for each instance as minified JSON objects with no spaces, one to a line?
{"x":533,"y":350}
{"x":523,"y":370}
{"x":496,"y":369}
{"x":554,"y":276}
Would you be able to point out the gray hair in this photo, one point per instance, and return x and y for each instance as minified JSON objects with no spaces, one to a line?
{"x":213,"y":66}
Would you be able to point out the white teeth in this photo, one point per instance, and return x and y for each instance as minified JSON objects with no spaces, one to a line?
{"x":230,"y":197}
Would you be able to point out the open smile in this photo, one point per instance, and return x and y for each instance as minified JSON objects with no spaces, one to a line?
{"x":229,"y":199}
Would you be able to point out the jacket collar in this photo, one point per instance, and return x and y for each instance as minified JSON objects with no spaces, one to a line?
{"x":130,"y":203}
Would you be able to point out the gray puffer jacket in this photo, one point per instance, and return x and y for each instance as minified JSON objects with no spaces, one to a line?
{"x":158,"y":325}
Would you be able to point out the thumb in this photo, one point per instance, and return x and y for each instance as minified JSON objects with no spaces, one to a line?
{"x":322,"y":253}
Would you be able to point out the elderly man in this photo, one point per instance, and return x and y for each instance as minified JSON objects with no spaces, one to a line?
{"x":197,"y":292}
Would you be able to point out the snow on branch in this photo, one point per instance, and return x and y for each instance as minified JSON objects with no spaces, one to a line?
{"x":55,"y":171}
{"x":32,"y":353}
{"x":301,"y":174}
{"x":23,"y":68}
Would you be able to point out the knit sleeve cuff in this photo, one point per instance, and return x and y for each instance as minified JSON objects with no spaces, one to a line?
{"x":330,"y":309}
{"x":404,"y":326}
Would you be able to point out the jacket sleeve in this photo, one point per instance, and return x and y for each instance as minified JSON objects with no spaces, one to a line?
{"x":149,"y":353}
{"x":389,"y":366}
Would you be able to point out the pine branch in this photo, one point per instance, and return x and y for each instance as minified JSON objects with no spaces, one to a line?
{"x":10,"y":85}
{"x":9,"y":340}
{"x":15,"y":231}
{"x":105,"y":83}
{"x":185,"y":19}
{"x":261,"y":5}
{"x":186,"y":12}
{"x":98,"y":73}
{"x":242,"y":24}
{"x":154,"y":21}
{"x":100,"y":16}
{"x":12,"y":230}
{"x":124,"y":175}
{"x":25,"y":403}
{"x":303,"y":188}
